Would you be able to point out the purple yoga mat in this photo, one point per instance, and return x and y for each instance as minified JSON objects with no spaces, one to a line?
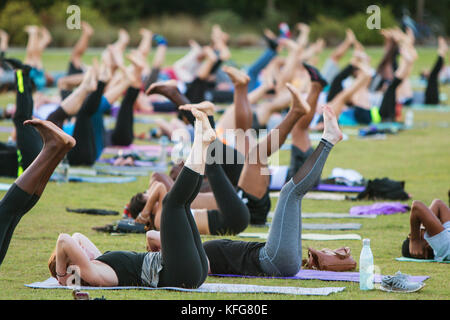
{"x":338,"y":188}
{"x":325,"y":276}
{"x":6,"y":129}
{"x":379,"y":208}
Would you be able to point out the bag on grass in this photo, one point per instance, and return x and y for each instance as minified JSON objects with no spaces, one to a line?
{"x":379,"y":189}
{"x":330,"y":260}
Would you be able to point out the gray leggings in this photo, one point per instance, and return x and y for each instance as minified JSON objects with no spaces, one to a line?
{"x":282,"y":253}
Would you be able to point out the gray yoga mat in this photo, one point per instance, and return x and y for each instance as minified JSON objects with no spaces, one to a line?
{"x":330,"y":215}
{"x":317,"y":196}
{"x":305,"y":236}
{"x":52,"y":283}
{"x":329,"y":226}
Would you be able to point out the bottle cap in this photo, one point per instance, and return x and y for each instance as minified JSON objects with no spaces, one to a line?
{"x":366,"y":242}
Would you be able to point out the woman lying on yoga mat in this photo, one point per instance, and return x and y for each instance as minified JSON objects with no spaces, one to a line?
{"x":430,"y":232}
{"x":281,"y":255}
{"x":28,"y":188}
{"x":182,"y":260}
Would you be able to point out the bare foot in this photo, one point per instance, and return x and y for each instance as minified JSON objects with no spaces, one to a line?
{"x":116,"y":56}
{"x":51,"y":134}
{"x":104,"y":73}
{"x":239,"y":78}
{"x":31,"y":29}
{"x":137,"y":59}
{"x":331,"y":132}
{"x":89,"y":82}
{"x":299,"y":104}
{"x":442,"y":47}
{"x":124,"y":37}
{"x":165,"y":88}
{"x":205,"y":106}
{"x":145,"y":33}
{"x":209,"y":53}
{"x":202,"y":126}
{"x":87,"y":29}
{"x":46,"y":36}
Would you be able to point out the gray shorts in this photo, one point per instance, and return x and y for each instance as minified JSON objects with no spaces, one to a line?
{"x":440,"y":243}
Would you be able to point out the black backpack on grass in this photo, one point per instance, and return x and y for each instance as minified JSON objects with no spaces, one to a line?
{"x":384,"y":189}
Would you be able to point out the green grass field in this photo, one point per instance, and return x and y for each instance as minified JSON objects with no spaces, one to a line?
{"x":420,"y":156}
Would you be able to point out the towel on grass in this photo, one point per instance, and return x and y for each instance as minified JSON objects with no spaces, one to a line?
{"x":52,"y":283}
{"x":380,"y":208}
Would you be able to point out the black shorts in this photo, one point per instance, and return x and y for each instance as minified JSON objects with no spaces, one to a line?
{"x":259,"y":208}
{"x":9,"y":163}
{"x":73,"y":70}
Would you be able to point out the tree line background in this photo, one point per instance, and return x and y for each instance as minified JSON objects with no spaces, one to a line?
{"x":244,"y":20}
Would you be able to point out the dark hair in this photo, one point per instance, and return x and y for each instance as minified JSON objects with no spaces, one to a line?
{"x":137,"y":203}
{"x":405,"y":249}
{"x":429,"y":254}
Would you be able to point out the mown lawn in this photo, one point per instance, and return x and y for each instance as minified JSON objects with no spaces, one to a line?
{"x":420,"y":157}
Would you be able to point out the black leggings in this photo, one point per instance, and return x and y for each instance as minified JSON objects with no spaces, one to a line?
{"x":196,"y":90}
{"x":432,"y":90}
{"x":184,"y":260}
{"x":13,"y":206}
{"x":336,"y":84}
{"x":84,"y":152}
{"x":387,"y":108}
{"x":152,"y":78}
{"x":29,"y":141}
{"x":233,"y":215}
{"x":123,"y":134}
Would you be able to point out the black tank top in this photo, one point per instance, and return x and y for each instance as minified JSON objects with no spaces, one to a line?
{"x":126,"y":264}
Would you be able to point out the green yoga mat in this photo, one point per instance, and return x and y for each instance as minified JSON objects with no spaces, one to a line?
{"x":418,"y":260}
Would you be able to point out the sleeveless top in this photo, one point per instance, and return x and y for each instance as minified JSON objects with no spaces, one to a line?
{"x":134,"y":269}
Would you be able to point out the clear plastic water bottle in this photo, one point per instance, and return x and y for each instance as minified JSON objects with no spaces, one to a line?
{"x":409,"y":119}
{"x":366,"y":268}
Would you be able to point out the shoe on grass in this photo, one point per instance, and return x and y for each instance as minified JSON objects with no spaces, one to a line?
{"x":400,"y":283}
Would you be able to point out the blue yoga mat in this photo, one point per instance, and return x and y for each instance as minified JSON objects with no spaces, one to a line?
{"x":58,"y":177}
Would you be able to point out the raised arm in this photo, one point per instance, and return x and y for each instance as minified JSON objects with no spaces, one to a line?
{"x":87,"y":245}
{"x":69,"y":253}
{"x":153,"y":241}
{"x":157,"y":193}
{"x":421,"y":214}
